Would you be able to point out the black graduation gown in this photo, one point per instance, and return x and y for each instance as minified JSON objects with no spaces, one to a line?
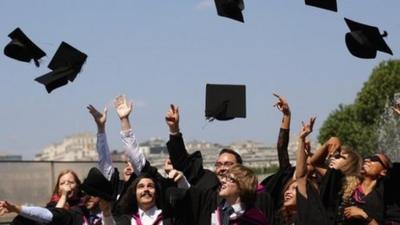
{"x":119,"y":188}
{"x":173,"y":213}
{"x":275,"y":183}
{"x":310,"y":210}
{"x":190,"y":164}
{"x":392,"y":195}
{"x":203,"y":203}
{"x":203,"y":179}
{"x":331,"y":193}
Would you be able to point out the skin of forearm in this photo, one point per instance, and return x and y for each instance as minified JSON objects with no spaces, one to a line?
{"x":286,"y":121}
{"x":125,"y":124}
{"x":319,"y":156}
{"x":62,"y":201}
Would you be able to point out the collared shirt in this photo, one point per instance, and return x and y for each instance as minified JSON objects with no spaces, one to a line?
{"x":238,"y":210}
{"x":148,"y":217}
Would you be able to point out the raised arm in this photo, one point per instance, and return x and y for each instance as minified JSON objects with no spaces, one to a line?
{"x":327,"y":149}
{"x":135,"y":154}
{"x":105,"y":161}
{"x":38,"y":214}
{"x":176,"y":147}
{"x":283,"y":138}
{"x":301,"y":165}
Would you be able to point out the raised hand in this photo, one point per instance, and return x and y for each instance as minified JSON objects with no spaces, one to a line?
{"x":333,"y":144}
{"x":175,"y":175}
{"x":99,"y":118}
{"x":168,"y":166}
{"x":282,"y":104}
{"x":123,"y":107}
{"x":307,"y":128}
{"x":172,"y":119}
{"x":396,"y":109}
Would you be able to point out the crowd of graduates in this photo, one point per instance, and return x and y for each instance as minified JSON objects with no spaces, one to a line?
{"x":330,"y":185}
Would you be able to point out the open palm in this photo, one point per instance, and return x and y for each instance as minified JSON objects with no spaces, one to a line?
{"x":99,"y":118}
{"x":122,"y":106}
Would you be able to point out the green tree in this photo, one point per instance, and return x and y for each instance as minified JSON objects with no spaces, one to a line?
{"x":357,"y":124}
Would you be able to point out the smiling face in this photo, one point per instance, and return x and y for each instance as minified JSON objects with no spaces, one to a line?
{"x":375,"y":166}
{"x":289,"y":196}
{"x":146,"y":193}
{"x":229,"y":187}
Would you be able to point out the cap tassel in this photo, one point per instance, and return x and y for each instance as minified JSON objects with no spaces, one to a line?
{"x":385,"y":34}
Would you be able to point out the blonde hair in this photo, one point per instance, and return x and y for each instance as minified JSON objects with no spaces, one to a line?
{"x":246,"y":181}
{"x":352,"y":173}
{"x":353,"y":162}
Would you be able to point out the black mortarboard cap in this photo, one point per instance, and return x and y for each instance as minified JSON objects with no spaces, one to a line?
{"x":97,"y":185}
{"x":323,"y":4}
{"x":22,"y":48}
{"x":230,"y":8}
{"x":225,"y":102}
{"x":65,"y":65}
{"x":364,"y":41}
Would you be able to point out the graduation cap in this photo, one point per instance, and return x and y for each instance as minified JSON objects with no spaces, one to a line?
{"x":364,"y":41}
{"x":97,"y":185}
{"x":323,"y":4}
{"x":22,"y":48}
{"x":230,"y":8}
{"x":65,"y":65}
{"x":225,"y":102}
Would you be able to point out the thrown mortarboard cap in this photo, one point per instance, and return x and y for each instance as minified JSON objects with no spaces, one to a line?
{"x":22,"y":48}
{"x":364,"y":41}
{"x":230,"y":9}
{"x":323,"y":4}
{"x":65,"y":65}
{"x":225,"y":102}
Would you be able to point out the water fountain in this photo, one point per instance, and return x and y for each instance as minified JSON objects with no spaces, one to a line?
{"x":389,"y":130}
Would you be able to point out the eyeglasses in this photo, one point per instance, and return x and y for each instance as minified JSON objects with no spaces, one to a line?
{"x":375,"y":158}
{"x":228,"y":178}
{"x":224,"y":164}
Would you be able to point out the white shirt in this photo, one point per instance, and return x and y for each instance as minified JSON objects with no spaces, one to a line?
{"x":148,"y":217}
{"x":135,"y":154}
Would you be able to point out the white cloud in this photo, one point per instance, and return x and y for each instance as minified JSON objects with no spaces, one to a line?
{"x":204,"y":4}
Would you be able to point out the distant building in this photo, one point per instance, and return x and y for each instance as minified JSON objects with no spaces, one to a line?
{"x":82,"y":147}
{"x":79,"y":147}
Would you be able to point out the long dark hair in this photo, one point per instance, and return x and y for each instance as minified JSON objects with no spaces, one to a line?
{"x":129,"y":203}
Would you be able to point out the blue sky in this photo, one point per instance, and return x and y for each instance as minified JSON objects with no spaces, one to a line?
{"x":162,"y":52}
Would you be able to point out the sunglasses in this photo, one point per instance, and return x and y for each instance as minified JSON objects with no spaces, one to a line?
{"x":375,"y":158}
{"x":337,"y":155}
